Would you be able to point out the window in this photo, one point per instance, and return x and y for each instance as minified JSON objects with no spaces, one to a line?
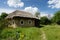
{"x":29,"y":22}
{"x":21,"y":22}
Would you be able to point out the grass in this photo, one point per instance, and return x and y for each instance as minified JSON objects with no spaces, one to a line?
{"x":52,"y":32}
{"x":32,"y":33}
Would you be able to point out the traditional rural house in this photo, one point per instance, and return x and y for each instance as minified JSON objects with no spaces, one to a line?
{"x":22,"y":19}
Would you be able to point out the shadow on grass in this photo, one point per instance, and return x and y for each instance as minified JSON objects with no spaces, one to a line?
{"x":32,"y":26}
{"x":40,"y":26}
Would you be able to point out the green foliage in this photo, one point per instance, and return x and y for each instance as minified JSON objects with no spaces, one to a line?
{"x":56,"y":17}
{"x":37,"y":14}
{"x":3,"y":15}
{"x":9,"y":34}
{"x":45,"y":21}
{"x":21,"y":34}
{"x":3,"y":24}
{"x":52,"y":32}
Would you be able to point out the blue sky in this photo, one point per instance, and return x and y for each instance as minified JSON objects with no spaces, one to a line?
{"x":44,"y":6}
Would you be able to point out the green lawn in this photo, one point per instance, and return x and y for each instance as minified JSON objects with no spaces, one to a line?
{"x":32,"y":33}
{"x":50,"y":32}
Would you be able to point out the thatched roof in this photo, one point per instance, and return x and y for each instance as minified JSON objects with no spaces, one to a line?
{"x":20,"y":14}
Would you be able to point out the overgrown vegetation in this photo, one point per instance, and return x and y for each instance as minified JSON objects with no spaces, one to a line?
{"x":21,"y":34}
{"x":3,"y":22}
{"x":45,"y":21}
{"x":3,"y":15}
{"x":52,"y":32}
{"x":56,"y":18}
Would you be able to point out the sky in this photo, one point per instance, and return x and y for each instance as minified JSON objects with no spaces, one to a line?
{"x":45,"y":7}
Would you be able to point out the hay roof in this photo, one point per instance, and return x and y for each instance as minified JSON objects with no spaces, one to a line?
{"x":20,"y":14}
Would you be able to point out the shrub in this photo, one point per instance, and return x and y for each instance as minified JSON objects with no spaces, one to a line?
{"x":3,"y":24}
{"x":56,"y":18}
{"x":45,"y":21}
{"x":10,"y":34}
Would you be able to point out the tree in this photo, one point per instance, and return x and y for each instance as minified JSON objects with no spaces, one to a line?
{"x":3,"y":15}
{"x":56,"y":17}
{"x":44,"y":20}
{"x":37,"y":14}
{"x":3,"y":22}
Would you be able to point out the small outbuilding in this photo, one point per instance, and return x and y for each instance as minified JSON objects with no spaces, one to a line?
{"x":22,"y":19}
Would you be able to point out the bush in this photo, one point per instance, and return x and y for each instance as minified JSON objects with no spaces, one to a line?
{"x":58,"y":22}
{"x":3,"y":24}
{"x":45,"y":21}
{"x":10,"y":34}
{"x":56,"y":18}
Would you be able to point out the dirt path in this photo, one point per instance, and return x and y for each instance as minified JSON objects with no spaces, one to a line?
{"x":43,"y":35}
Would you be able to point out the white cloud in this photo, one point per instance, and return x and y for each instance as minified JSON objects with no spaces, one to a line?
{"x":30,"y":9}
{"x":33,"y":10}
{"x":42,"y":14}
{"x":54,"y":3}
{"x":6,"y":10}
{"x":15,"y":3}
